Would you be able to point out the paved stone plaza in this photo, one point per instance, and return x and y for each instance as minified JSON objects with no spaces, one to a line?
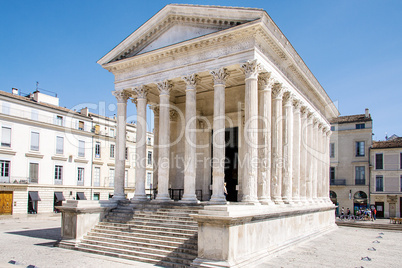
{"x":29,"y":240}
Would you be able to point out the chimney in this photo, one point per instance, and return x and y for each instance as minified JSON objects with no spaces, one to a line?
{"x":14,"y":91}
{"x":367,"y":114}
{"x":84,"y":111}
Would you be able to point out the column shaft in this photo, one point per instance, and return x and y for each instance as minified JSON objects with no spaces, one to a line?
{"x":189,"y":195}
{"x":296,"y":151}
{"x":320,"y":159}
{"x":218,"y":139}
{"x":120,"y":159}
{"x":276,"y":178}
{"x":164,"y":141}
{"x":303,"y":155}
{"x":314,"y":159}
{"x":250,"y":132}
{"x":310,"y":166}
{"x":265,"y":114}
{"x":155,"y":159}
{"x":287,"y":149}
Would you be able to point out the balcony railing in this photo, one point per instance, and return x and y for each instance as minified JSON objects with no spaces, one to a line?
{"x":338,"y":182}
{"x":360,"y":182}
{"x":18,"y":180}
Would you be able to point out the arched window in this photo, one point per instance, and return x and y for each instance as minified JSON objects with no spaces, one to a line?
{"x":360,"y":195}
{"x":332,"y":194}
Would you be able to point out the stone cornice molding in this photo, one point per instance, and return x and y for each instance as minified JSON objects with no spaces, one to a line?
{"x":219,"y":76}
{"x":165,"y":87}
{"x":287,"y":98}
{"x":141,"y":91}
{"x":121,"y":95}
{"x":191,"y":81}
{"x":277,"y":91}
{"x":251,"y":69}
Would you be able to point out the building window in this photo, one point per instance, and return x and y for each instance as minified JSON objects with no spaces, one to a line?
{"x":148,"y":185}
{"x":379,"y":183}
{"x":360,"y":178}
{"x":360,"y":148}
{"x":58,"y":174}
{"x":80,"y":176}
{"x":6,"y":137}
{"x":332,"y":150}
{"x":97,"y":176}
{"x":332,"y":128}
{"x":332,"y":174}
{"x":81,"y":148}
{"x":111,"y":177}
{"x":97,"y":150}
{"x":379,"y":161}
{"x":96,"y":196}
{"x":126,"y":154}
{"x":59,"y":120}
{"x":4,"y":171}
{"x":111,"y":150}
{"x":149,"y":158}
{"x":81,"y":125}
{"x":360,"y":126}
{"x":34,"y":141}
{"x":33,"y":172}
{"x":59,"y":145}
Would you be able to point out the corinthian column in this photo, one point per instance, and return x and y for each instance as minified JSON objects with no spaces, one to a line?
{"x":164,"y":141}
{"x":155,"y":109}
{"x":314,"y":157}
{"x":264,"y":138}
{"x":320,"y":159}
{"x":296,"y":151}
{"x":310,"y":166}
{"x":327,"y":135}
{"x":120,"y":159}
{"x":303,"y":155}
{"x":276,"y":179}
{"x":287,"y":149}
{"x":189,"y":195}
{"x":218,"y":139}
{"x":251,"y":69}
{"x":141,"y":143}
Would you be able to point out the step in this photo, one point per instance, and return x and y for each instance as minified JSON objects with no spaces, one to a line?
{"x":158,"y":221}
{"x":161,"y":263}
{"x":145,"y":246}
{"x":163,"y":235}
{"x":165,"y":216}
{"x":130,"y":227}
{"x":189,"y":243}
{"x":156,"y":255}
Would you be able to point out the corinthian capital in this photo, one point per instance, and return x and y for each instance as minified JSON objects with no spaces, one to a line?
{"x":141,"y":91}
{"x":304,"y":111}
{"x":164,"y":87}
{"x":296,"y":104}
{"x":251,"y":68}
{"x":121,"y":95}
{"x":191,"y":80}
{"x":265,"y":81}
{"x":277,"y":91}
{"x":287,"y":98}
{"x":220,"y":75}
{"x":173,"y":115}
{"x":155,"y":109}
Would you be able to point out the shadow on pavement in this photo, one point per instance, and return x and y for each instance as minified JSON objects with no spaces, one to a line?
{"x":50,"y":233}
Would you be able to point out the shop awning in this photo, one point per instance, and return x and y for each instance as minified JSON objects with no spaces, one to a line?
{"x":59,"y":196}
{"x":81,"y":196}
{"x":34,"y":196}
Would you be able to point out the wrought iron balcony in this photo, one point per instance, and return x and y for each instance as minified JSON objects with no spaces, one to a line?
{"x":338,"y":182}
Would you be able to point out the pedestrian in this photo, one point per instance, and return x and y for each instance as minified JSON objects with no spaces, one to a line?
{"x":225,"y":191}
{"x":348,"y":212}
{"x":375,"y":213}
{"x":343,"y":211}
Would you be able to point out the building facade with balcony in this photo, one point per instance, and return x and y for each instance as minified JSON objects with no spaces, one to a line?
{"x":349,"y":155}
{"x":386,"y":177}
{"x":49,"y":154}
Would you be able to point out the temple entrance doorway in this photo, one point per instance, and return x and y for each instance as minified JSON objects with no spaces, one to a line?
{"x":231,"y":163}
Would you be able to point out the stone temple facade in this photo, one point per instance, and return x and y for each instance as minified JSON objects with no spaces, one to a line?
{"x":234,"y":105}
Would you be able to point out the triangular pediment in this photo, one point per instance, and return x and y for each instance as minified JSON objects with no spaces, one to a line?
{"x":178,"y":23}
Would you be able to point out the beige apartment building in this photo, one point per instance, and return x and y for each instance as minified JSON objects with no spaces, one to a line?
{"x":386,"y":177}
{"x":349,"y":154}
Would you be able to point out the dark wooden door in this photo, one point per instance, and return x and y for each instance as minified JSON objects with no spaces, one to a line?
{"x":379,"y":206}
{"x":6,"y":203}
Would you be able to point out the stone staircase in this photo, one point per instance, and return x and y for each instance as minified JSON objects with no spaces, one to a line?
{"x":164,"y":235}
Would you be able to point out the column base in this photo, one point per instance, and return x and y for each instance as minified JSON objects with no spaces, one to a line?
{"x":160,"y":198}
{"x":249,"y":201}
{"x":118,"y":197}
{"x":217,"y":200}
{"x":266,"y":201}
{"x":139,"y":198}
{"x":278,"y":201}
{"x":189,"y":199}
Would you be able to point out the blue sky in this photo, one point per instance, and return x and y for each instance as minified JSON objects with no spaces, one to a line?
{"x":353,"y":47}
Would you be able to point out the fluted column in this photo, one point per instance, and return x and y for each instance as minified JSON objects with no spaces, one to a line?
{"x":314,"y":150}
{"x":218,"y":139}
{"x":320,"y":159}
{"x":327,"y":135}
{"x":264,"y":138}
{"x":303,"y":155}
{"x":296,"y":151}
{"x":189,"y":195}
{"x":141,"y":143}
{"x":164,"y":141}
{"x":155,"y":109}
{"x":287,"y":148}
{"x":251,"y":69}
{"x":120,"y":159}
{"x":310,"y":166}
{"x":276,"y":178}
